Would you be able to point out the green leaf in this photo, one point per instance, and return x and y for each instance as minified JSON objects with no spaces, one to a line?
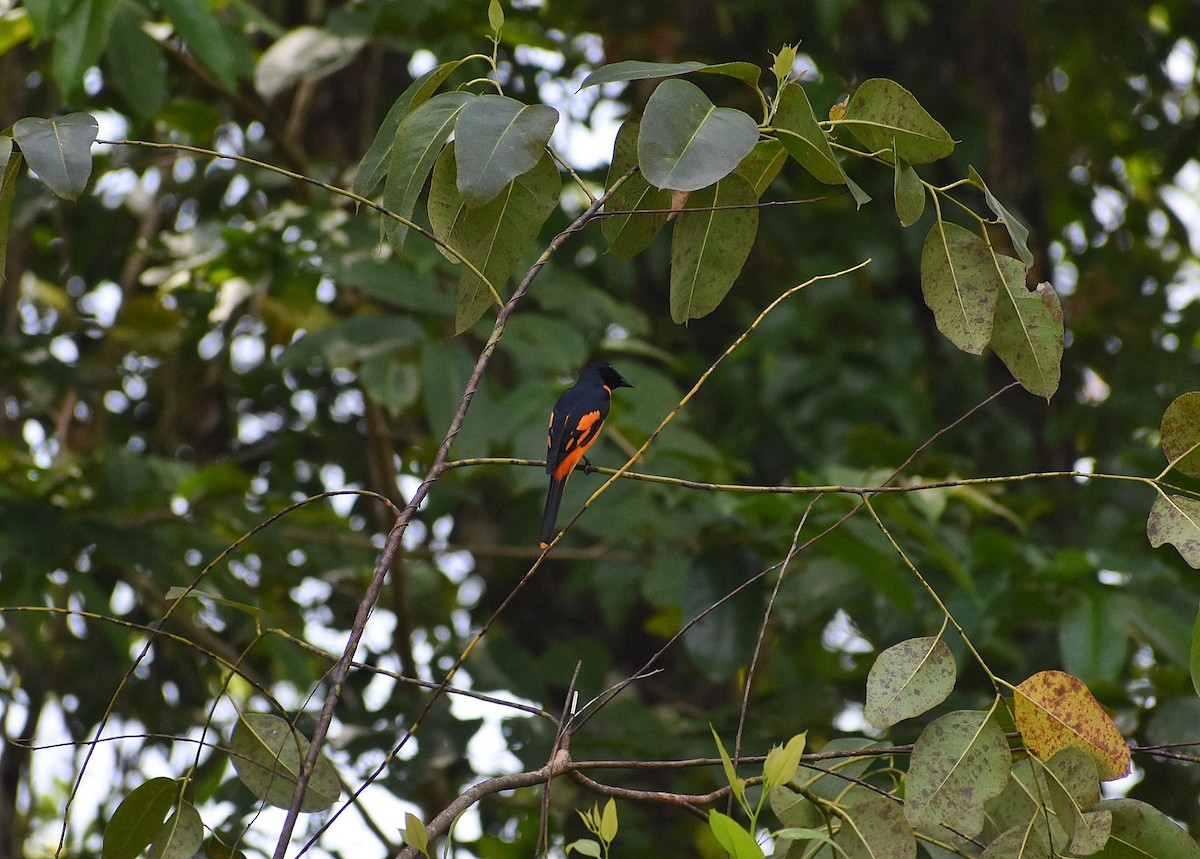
{"x":59,"y":150}
{"x":136,"y":63}
{"x":267,"y":753}
{"x":1175,"y":519}
{"x":792,"y":834}
{"x":629,"y":234}
{"x":180,"y":837}
{"x":738,"y":843}
{"x":1017,"y":231}
{"x":686,"y":143}
{"x":709,"y":248}
{"x":798,"y":131}
{"x":793,"y":809}
{"x":303,"y":54}
{"x":783,"y":761}
{"x":1180,"y":433}
{"x":197,"y":25}
{"x":1028,"y":331}
{"x":176,"y":593}
{"x":909,"y":193}
{"x":875,"y":828}
{"x":959,"y":282}
{"x":959,"y":761}
{"x":495,"y":16}
{"x":10,"y":168}
{"x":419,"y":139}
{"x":415,"y":834}
{"x":586,"y":847}
{"x":1194,"y":658}
{"x":636,"y":70}
{"x":1140,"y":831}
{"x":736,"y":783}
{"x":908,"y":679}
{"x":78,"y":42}
{"x":747,"y":73}
{"x":392,"y":383}
{"x":608,"y":822}
{"x":881,"y":111}
{"x":138,"y":819}
{"x":375,"y":162}
{"x":830,"y":783}
{"x":762,"y":165}
{"x":1032,"y":839}
{"x":494,"y":236}
{"x":1072,"y":784}
{"x":496,"y":140}
{"x":351,"y":341}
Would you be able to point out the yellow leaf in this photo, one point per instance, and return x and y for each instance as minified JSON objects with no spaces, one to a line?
{"x":1055,"y":711}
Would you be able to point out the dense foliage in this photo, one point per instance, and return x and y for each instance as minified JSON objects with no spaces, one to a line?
{"x":196,"y":345}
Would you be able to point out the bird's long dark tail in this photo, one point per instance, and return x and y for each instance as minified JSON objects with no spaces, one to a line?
{"x":550,"y":516}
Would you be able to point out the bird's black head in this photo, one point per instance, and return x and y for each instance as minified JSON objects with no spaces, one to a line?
{"x":609,"y":376}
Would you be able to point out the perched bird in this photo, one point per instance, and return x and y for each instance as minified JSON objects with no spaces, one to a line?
{"x":575,"y":425}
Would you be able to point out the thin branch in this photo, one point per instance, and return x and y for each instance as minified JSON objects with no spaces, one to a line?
{"x":341,"y":668}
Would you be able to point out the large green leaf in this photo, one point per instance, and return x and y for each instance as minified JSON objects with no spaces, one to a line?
{"x":798,"y":131}
{"x":180,"y":837}
{"x":710,"y":246}
{"x":627,"y":232}
{"x":305,"y":53}
{"x":1141,"y":831}
{"x":762,"y":165}
{"x":374,"y":163}
{"x":1028,"y":331}
{"x":1175,"y":519}
{"x":875,"y":828}
{"x":495,"y":236}
{"x":908,"y":679}
{"x":960,"y":282}
{"x":198,"y":26}
{"x":496,"y":140}
{"x":882,"y":111}
{"x":59,"y":150}
{"x":1033,"y":838}
{"x":958,"y":762}
{"x":419,"y":140}
{"x":139,"y":818}
{"x":1180,"y":433}
{"x":1072,"y":784}
{"x":636,"y":70}
{"x":687,"y":143}
{"x":267,"y":753}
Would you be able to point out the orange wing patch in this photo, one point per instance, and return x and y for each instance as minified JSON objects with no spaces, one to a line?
{"x":578,"y":440}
